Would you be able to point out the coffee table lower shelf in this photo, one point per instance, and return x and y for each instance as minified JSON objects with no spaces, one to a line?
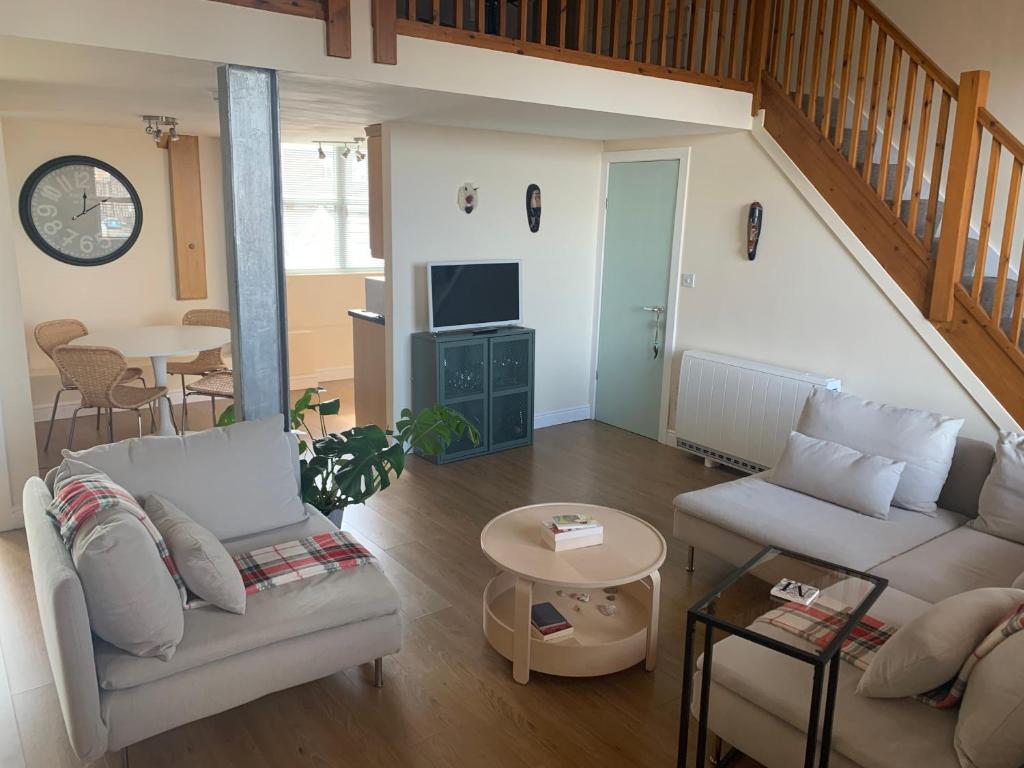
{"x":599,"y":645}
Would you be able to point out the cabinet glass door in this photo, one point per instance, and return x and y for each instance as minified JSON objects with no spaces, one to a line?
{"x":511,"y":359}
{"x":510,"y":419}
{"x":463,"y":370}
{"x":476,"y":412}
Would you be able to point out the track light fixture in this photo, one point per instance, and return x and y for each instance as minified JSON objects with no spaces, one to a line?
{"x":155,"y":125}
{"x":347,"y":148}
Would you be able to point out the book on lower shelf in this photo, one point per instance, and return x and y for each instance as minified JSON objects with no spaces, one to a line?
{"x":548,"y":623}
{"x":579,"y":535}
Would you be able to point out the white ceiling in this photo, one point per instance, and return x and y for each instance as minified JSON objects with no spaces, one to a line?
{"x":100,"y":86}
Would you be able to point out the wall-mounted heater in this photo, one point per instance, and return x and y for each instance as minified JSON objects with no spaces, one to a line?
{"x":739,"y":412}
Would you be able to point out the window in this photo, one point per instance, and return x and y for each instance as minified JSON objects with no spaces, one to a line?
{"x":326,"y":211}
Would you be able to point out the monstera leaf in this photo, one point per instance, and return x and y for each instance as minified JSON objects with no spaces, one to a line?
{"x":363,"y":459}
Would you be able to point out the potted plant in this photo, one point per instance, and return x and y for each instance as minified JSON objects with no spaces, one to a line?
{"x":342,"y":468}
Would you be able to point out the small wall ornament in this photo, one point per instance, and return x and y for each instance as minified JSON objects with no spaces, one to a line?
{"x":533,"y":207}
{"x":755,"y":218}
{"x":469,"y":197}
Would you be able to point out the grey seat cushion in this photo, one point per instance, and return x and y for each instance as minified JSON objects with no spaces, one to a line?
{"x":280,"y":613}
{"x":873,"y":733}
{"x":955,"y":562}
{"x":764,"y":513}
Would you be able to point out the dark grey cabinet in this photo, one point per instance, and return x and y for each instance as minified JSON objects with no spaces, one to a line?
{"x":487,"y":376}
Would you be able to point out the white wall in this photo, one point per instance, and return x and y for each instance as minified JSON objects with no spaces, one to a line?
{"x":805,"y":302}
{"x":962,"y":36}
{"x":17,"y":435}
{"x":139,"y":287}
{"x":427,"y":166}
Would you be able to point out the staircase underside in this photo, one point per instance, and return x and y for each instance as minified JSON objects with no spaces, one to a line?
{"x":972,"y":334}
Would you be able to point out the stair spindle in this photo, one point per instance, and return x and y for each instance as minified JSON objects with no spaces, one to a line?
{"x":844,"y":78}
{"x":1009,"y":222}
{"x":705,"y":51}
{"x":985,"y":230}
{"x":720,"y":38}
{"x":858,"y":98}
{"x":787,"y":62}
{"x":1018,"y":306}
{"x":830,"y":66}
{"x":890,"y":119}
{"x":777,"y":16}
{"x":924,"y":126}
{"x":648,"y":48}
{"x":904,"y":146}
{"x":631,"y":30}
{"x":801,"y":59}
{"x":819,"y":42}
{"x":598,"y":27}
{"x":876,"y":96}
{"x":938,"y":161}
{"x":733,"y":67}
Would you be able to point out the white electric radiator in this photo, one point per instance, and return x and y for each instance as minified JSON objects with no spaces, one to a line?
{"x":739,"y":412}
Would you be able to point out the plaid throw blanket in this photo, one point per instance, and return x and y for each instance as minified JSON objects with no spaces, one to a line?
{"x":949,"y":695}
{"x":294,"y":560}
{"x":820,"y":621}
{"x":80,"y":499}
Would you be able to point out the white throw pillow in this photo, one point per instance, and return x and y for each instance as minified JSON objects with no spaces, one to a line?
{"x":930,"y":649}
{"x":990,"y":727}
{"x":837,"y":474}
{"x":1001,"y":504}
{"x":206,"y":567}
{"x":925,"y":441}
{"x":234,"y":481}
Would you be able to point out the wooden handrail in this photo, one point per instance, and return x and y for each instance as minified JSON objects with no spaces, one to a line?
{"x":963,"y":168}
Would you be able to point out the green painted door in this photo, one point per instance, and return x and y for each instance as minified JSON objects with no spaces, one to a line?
{"x":639,"y":223}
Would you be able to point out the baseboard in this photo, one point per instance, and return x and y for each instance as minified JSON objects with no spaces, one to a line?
{"x":562,"y":416}
{"x":70,"y":400}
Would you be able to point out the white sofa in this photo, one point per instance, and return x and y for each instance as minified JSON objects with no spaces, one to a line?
{"x":290,"y":634}
{"x":759,"y":698}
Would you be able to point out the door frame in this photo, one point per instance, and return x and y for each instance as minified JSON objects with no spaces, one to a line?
{"x":682,"y":154}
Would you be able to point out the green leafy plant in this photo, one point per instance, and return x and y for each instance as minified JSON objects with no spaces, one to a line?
{"x":342,"y":468}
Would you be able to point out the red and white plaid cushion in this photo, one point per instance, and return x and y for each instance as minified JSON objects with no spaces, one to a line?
{"x":80,"y":499}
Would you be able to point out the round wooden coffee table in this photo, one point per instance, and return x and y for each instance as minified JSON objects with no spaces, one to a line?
{"x":530,"y":572}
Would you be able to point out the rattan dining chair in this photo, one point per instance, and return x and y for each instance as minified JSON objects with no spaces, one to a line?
{"x":217,"y":384}
{"x":207,"y":361}
{"x":56,"y":333}
{"x":98,"y":373}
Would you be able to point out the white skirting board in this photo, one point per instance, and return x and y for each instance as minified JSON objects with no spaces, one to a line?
{"x":562,"y":416}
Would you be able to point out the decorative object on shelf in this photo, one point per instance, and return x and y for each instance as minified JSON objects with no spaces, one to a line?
{"x":347,"y":148}
{"x":755,"y":217}
{"x":348,"y":467}
{"x":155,"y":125}
{"x":80,"y":210}
{"x":469,"y":197}
{"x":533,"y":207}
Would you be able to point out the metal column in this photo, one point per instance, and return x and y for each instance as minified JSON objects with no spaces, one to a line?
{"x":250,"y":149}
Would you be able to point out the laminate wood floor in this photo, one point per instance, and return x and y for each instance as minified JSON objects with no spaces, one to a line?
{"x":448,"y":698}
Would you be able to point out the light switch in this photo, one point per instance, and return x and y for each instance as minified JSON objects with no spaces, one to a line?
{"x":689,"y":280}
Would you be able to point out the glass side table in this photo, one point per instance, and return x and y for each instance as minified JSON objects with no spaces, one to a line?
{"x":738,"y":601}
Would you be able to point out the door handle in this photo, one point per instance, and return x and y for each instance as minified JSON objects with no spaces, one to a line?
{"x":658,"y":312}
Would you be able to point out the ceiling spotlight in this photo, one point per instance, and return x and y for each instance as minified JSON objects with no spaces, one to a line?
{"x":157,"y":134}
{"x":360,"y":156}
{"x":320,"y":151}
{"x":346,"y":151}
{"x":155,"y":125}
{"x":173,"y":133}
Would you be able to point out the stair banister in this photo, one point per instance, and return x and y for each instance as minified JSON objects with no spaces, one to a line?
{"x":963,"y":169}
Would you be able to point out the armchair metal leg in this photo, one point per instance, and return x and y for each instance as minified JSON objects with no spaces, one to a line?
{"x":53,"y":415}
{"x":213,"y":409}
{"x":110,"y":424}
{"x":378,"y":673}
{"x":138,"y":415}
{"x":99,"y":412}
{"x":71,"y":432}
{"x":689,"y":560}
{"x":184,"y":410}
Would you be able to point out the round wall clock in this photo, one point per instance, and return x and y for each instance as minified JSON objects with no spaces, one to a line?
{"x":80,"y":210}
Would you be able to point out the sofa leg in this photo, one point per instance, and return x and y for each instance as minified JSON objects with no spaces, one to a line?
{"x":378,"y":673}
{"x":689,"y":560}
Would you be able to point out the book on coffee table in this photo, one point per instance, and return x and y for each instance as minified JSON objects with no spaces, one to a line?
{"x":548,"y":623}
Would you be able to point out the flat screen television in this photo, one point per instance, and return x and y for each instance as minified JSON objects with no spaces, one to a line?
{"x":474,"y":294}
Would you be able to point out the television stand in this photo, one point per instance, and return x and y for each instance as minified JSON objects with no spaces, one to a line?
{"x":487,"y":375}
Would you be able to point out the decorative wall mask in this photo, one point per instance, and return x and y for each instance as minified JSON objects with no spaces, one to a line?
{"x":533,"y":207}
{"x":754,"y":220}
{"x":469,"y":197}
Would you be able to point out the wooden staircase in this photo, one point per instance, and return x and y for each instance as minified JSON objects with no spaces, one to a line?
{"x":908,"y":156}
{"x":899,"y":150}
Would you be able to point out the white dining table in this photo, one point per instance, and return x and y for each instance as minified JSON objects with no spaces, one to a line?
{"x":158,"y":342}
